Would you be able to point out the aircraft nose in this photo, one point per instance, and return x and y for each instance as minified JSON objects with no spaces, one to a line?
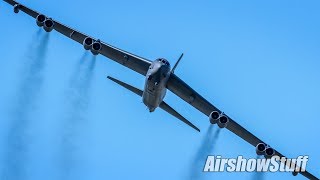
{"x":151,"y":109}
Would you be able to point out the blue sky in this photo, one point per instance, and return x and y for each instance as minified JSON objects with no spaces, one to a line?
{"x":60,"y":118}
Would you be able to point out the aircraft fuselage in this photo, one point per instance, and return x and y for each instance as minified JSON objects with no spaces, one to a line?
{"x":155,"y":83}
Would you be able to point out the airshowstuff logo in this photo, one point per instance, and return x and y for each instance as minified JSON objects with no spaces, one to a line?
{"x":240,"y":164}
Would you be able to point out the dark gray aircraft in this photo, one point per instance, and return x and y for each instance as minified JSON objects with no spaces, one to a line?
{"x":159,"y":78}
{"x":155,"y":88}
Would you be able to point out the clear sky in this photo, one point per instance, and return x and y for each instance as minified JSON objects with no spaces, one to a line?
{"x":60,"y":118}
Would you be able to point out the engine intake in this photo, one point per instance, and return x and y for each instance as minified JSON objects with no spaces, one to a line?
{"x":223,"y":121}
{"x":48,"y":25}
{"x":261,"y":148}
{"x":214,"y":116}
{"x":87,"y":43}
{"x":269,"y":152}
{"x":16,"y":8}
{"x":96,"y":47}
{"x":40,"y":19}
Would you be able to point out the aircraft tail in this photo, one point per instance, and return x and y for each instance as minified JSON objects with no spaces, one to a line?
{"x":163,"y":105}
{"x":175,"y":66}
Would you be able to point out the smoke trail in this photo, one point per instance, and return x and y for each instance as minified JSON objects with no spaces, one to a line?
{"x":206,"y":148}
{"x":77,"y":97}
{"x":258,"y":175}
{"x":24,"y":103}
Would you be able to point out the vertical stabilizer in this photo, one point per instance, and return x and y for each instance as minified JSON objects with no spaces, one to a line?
{"x":175,"y":66}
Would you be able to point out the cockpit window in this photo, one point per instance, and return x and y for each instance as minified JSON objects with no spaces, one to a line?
{"x":164,"y":61}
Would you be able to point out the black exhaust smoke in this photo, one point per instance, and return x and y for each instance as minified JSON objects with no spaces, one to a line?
{"x":77,"y":97}
{"x":206,"y":148}
{"x":23,"y":105}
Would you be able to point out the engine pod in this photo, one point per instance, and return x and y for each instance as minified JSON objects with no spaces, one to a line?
{"x":40,"y":19}
{"x":294,"y":173}
{"x":16,"y":8}
{"x":214,"y":116}
{"x":261,"y":148}
{"x":87,"y":43}
{"x":269,"y":152}
{"x":223,"y":121}
{"x":96,"y":47}
{"x":48,"y":25}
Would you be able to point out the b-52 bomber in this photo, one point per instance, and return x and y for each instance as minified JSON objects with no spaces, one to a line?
{"x":159,"y":76}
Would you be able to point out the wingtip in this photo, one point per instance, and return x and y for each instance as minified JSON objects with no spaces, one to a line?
{"x":195,"y":128}
{"x":113,"y":79}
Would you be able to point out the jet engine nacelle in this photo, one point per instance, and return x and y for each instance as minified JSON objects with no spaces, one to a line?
{"x":261,"y":149}
{"x":264,"y":149}
{"x":294,"y":173}
{"x":16,"y":8}
{"x":87,"y":43}
{"x":223,"y":121}
{"x":48,"y":25}
{"x":40,"y":19}
{"x":96,"y":47}
{"x":269,"y":152}
{"x":214,"y":116}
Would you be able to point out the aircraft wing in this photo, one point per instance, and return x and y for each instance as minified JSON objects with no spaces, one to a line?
{"x":127,"y":59}
{"x":184,"y":91}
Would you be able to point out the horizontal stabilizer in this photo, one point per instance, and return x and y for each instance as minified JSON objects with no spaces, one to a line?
{"x":174,"y":113}
{"x":163,"y":105}
{"x":129,"y":87}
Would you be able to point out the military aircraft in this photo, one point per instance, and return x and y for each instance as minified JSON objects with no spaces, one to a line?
{"x":158,"y":78}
